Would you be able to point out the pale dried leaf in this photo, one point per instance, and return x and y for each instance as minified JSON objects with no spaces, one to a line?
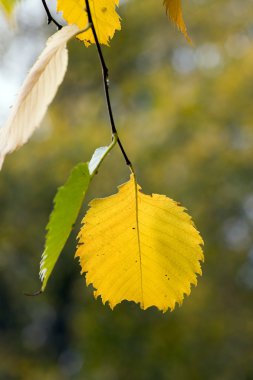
{"x":37,"y":92}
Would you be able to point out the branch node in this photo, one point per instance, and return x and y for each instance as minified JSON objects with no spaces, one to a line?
{"x":49,"y":16}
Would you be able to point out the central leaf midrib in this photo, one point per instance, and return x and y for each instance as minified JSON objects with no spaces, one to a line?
{"x":138,"y":236}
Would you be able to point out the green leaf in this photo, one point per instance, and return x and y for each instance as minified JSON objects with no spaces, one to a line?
{"x":67,"y":204}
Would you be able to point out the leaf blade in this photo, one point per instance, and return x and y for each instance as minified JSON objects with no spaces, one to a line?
{"x":104,"y":16}
{"x":37,"y":92}
{"x":151,"y":260}
{"x":67,"y":203}
{"x":174,"y":9}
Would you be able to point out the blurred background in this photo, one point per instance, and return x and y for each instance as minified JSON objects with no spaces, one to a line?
{"x":185,"y":116}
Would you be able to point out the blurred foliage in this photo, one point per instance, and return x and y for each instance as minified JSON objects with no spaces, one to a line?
{"x":8,"y":5}
{"x":185,"y":115}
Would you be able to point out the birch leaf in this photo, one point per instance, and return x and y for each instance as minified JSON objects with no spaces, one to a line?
{"x":174,"y":9}
{"x":104,"y":15}
{"x":139,"y":248}
{"x":67,"y":204}
{"x":37,"y":92}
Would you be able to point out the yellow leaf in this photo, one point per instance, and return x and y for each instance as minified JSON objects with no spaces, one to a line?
{"x":139,"y":248}
{"x":105,"y":18}
{"x":174,"y":8}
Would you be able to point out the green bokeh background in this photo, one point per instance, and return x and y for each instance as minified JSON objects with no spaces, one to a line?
{"x":185,"y":116}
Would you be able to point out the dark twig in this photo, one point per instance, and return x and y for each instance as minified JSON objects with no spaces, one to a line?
{"x":106,"y":81}
{"x":49,"y":16}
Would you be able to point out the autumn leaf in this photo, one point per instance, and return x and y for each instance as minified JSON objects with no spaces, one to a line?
{"x":37,"y":92}
{"x":174,"y":9}
{"x":105,"y":18}
{"x":139,"y":248}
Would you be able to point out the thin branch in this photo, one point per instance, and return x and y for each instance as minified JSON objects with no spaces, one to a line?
{"x":106,"y":81}
{"x":49,"y":16}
